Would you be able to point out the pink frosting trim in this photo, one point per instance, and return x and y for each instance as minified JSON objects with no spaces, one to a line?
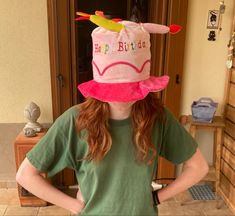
{"x":101,"y":73}
{"x":123,"y":92}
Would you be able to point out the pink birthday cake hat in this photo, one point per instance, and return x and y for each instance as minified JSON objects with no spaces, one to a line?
{"x":122,"y":59}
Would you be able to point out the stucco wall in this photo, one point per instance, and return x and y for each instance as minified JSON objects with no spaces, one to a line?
{"x":24,"y":59}
{"x":205,"y":73}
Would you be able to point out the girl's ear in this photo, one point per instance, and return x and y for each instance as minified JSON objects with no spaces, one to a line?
{"x":161,"y":29}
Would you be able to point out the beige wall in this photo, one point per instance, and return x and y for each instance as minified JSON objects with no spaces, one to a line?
{"x":204,"y":67}
{"x":24,"y":59}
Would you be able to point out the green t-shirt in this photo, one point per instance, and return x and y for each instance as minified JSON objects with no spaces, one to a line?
{"x":118,"y":185}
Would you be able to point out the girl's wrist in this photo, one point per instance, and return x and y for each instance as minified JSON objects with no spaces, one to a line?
{"x":76,"y":206}
{"x":156,"y":199}
{"x":159,"y":195}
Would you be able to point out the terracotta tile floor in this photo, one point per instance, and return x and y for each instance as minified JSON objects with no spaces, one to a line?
{"x":10,"y":206}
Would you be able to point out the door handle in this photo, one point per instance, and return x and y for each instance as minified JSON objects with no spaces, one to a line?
{"x":60,"y":79}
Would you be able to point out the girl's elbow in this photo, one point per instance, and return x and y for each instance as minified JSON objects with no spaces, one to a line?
{"x":25,"y":172}
{"x":205,"y":168}
{"x":19,"y":178}
{"x":199,"y":161}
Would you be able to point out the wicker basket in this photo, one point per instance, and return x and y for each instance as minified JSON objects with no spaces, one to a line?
{"x":203,"y":110}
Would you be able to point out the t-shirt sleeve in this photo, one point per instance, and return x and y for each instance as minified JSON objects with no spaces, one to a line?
{"x":53,"y":153}
{"x":177,"y":144}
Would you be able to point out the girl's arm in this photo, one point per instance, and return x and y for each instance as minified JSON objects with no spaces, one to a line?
{"x":29,"y":177}
{"x":194,"y":170}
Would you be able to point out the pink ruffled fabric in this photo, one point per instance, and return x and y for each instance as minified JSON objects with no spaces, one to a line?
{"x":123,"y":92}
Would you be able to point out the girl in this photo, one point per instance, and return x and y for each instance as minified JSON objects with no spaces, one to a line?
{"x":114,"y":138}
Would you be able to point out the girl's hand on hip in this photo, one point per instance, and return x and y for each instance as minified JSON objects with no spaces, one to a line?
{"x":80,"y":196}
{"x":80,"y":204}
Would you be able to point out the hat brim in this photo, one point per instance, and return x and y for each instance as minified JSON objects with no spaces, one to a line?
{"x":123,"y":92}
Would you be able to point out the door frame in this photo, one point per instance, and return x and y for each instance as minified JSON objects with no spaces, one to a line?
{"x":62,"y":40}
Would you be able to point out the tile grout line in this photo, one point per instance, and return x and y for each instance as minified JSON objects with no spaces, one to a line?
{"x":37,"y":211}
{"x":5,"y":211}
{"x":203,"y":213}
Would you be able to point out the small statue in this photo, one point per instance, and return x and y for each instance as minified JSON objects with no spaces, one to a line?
{"x":212,"y":36}
{"x":32,"y":113}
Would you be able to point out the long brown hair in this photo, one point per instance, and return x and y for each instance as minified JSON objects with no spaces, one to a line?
{"x":94,"y":118}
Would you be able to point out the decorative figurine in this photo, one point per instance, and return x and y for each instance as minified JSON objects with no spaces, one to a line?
{"x":32,"y":113}
{"x":213,"y":18}
{"x":211,"y":36}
